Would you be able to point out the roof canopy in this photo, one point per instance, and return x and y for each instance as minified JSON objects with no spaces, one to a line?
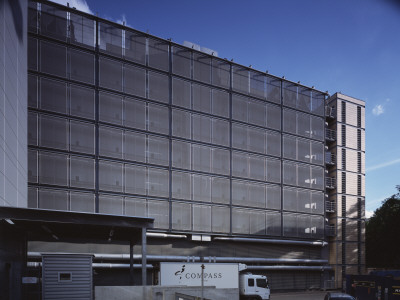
{"x":66,"y":226}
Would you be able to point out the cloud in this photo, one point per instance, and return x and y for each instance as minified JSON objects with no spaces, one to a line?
{"x":383,"y":165}
{"x":78,"y":4}
{"x":368,"y":214}
{"x":378,"y":110}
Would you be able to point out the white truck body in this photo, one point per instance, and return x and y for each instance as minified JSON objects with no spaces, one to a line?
{"x":254,"y":286}
{"x":220,"y":275}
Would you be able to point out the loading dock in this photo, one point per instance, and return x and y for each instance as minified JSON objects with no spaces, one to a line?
{"x":20,"y":225}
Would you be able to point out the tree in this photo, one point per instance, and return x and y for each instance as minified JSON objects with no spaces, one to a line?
{"x":383,"y":235}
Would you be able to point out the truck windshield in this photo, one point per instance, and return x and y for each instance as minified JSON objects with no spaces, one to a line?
{"x":262,"y":283}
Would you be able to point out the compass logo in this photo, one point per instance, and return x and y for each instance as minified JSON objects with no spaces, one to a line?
{"x":180,"y":273}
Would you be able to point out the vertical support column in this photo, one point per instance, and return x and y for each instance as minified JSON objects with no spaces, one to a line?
{"x":230,"y":150}
{"x":144,"y":257}
{"x":281,"y":154}
{"x":131,"y":273}
{"x":170,"y":135}
{"x":97,"y":79}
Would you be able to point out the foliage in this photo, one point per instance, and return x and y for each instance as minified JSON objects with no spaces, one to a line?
{"x":383,"y":235}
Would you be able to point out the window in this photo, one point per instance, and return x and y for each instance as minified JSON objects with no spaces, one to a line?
{"x":110,"y":108}
{"x":344,"y":206}
{"x":158,"y":87}
{"x":135,"y":47}
{"x":158,"y":54}
{"x":181,"y":61}
{"x":221,"y":73}
{"x":359,"y":139}
{"x":64,"y":277}
{"x":262,"y":283}
{"x":343,"y":159}
{"x":251,"y":282}
{"x":240,"y":79}
{"x":257,"y":84}
{"x":201,"y":67}
{"x":344,"y":135}
{"x":358,"y":116}
{"x":53,"y":59}
{"x":53,"y":22}
{"x":343,"y":182}
{"x":82,"y":66}
{"x":82,"y":30}
{"x":343,"y":112}
{"x":110,"y":74}
{"x":134,"y":81}
{"x":110,"y":39}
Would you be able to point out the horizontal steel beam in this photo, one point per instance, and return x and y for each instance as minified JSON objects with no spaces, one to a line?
{"x":176,"y":258}
{"x":271,"y":241}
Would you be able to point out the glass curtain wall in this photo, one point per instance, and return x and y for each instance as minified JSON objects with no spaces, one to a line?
{"x":124,"y":123}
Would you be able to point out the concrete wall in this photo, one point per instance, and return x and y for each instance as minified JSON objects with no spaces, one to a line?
{"x":13,"y":103}
{"x":160,"y":292}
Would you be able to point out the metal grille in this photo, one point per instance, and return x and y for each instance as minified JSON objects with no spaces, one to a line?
{"x":118,"y":118}
{"x":344,"y":182}
{"x":358,"y":116}
{"x":343,"y":206}
{"x":343,"y":135}
{"x":343,"y":112}
{"x":359,"y":139}
{"x":67,"y":277}
{"x":294,"y":280}
{"x":343,"y":159}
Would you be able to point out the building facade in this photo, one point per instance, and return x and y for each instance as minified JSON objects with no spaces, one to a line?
{"x":347,"y":247}
{"x":232,"y":163}
{"x":13,"y":104}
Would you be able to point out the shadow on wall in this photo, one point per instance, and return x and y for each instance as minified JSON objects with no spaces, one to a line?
{"x":17,"y":15}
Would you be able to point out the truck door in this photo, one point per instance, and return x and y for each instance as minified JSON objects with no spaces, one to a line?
{"x":263,"y":288}
{"x":251,"y":290}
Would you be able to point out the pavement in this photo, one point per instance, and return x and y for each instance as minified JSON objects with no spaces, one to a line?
{"x":308,"y":295}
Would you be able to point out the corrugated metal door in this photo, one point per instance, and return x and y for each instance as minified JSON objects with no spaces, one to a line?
{"x":67,"y":277}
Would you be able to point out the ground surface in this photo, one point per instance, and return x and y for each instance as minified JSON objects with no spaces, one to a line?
{"x":310,"y":295}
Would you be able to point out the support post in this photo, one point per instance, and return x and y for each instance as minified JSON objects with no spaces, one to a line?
{"x":144,"y":257}
{"x":131,"y":282}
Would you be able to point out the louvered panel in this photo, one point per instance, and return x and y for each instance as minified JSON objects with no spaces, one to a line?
{"x":67,"y":277}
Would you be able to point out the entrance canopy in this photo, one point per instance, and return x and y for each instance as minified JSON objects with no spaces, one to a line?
{"x":77,"y":227}
{"x":53,"y":225}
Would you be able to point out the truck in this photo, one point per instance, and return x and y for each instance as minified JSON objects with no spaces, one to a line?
{"x":220,"y":275}
{"x":253,"y":286}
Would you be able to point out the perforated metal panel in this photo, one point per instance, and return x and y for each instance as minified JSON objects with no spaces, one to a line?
{"x":67,"y":277}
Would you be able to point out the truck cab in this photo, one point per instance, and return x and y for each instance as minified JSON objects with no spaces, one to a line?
{"x":254,"y":287}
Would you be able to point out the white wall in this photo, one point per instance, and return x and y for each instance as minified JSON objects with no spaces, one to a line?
{"x":13,"y":103}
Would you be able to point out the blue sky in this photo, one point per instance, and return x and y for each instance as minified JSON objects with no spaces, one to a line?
{"x":351,"y":47}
